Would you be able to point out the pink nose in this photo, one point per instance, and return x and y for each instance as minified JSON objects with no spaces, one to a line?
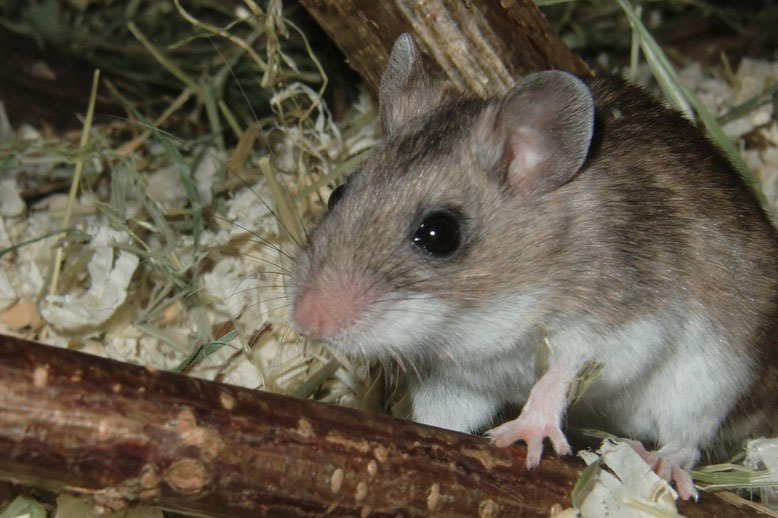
{"x":323,"y":312}
{"x":314,"y":315}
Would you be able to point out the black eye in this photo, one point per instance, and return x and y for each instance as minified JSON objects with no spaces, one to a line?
{"x":438,"y":234}
{"x":335,"y":196}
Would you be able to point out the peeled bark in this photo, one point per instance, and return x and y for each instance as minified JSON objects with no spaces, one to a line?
{"x":481,"y":46}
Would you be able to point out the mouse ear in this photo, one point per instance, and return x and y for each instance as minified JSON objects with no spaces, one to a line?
{"x":538,"y":136}
{"x":405,"y":90}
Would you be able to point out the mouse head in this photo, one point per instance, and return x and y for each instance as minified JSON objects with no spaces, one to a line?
{"x":446,"y":217}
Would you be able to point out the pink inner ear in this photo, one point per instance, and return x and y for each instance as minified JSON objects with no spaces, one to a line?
{"x":528,"y":156}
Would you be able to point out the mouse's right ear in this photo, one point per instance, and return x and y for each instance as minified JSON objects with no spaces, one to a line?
{"x":405,"y":90}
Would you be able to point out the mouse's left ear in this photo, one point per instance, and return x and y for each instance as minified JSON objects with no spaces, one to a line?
{"x":405,"y":91}
{"x":537,"y":137}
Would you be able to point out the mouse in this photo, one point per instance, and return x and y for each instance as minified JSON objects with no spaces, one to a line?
{"x":579,"y":215}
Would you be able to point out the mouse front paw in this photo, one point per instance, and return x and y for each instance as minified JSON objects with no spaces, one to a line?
{"x":532,"y":433}
{"x":541,"y":416}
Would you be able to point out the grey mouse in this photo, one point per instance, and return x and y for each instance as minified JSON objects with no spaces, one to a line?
{"x":579,"y":213}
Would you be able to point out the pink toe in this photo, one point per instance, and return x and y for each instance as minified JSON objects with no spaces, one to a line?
{"x":684,"y":484}
{"x":534,"y":451}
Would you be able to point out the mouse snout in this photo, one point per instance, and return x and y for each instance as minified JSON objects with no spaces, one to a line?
{"x":323,"y":312}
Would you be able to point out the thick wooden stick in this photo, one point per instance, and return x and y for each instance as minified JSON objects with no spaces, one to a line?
{"x":479,"y":45}
{"x":122,"y":434}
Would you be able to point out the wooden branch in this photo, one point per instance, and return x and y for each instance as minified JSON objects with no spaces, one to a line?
{"x":479,"y":45}
{"x":122,"y":434}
